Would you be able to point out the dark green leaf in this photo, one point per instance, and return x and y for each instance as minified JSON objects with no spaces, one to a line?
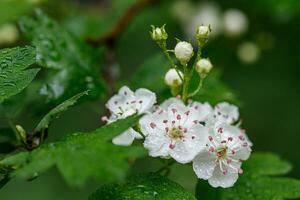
{"x":257,"y":183}
{"x":73,"y":64}
{"x":55,"y":112}
{"x":143,"y":187}
{"x":14,"y":75}
{"x":80,"y":156}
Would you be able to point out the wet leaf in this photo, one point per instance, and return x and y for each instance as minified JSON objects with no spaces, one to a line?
{"x":14,"y":72}
{"x":80,"y":156}
{"x":55,"y":112}
{"x":143,"y":187}
{"x":73,"y":65}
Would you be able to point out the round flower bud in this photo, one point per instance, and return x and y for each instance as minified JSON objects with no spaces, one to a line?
{"x":172,"y":78}
{"x":203,"y":66}
{"x":159,"y":33}
{"x":202,"y":32}
{"x":184,"y":52}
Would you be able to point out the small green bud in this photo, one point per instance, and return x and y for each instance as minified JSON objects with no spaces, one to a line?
{"x":202,"y":34}
{"x":22,"y":132}
{"x":159,"y":34}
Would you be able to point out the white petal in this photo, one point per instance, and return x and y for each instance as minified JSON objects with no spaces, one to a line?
{"x":204,"y":110}
{"x":196,"y":139}
{"x":226,"y":112}
{"x":170,"y":101}
{"x":218,"y":179}
{"x":145,"y":99}
{"x":125,"y":139}
{"x":125,"y":91}
{"x":180,"y":153}
{"x":157,"y":144}
{"x":204,"y":165}
{"x":156,"y":119}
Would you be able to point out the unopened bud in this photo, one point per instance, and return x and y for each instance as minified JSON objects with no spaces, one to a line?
{"x":22,"y":132}
{"x":203,"y":32}
{"x":184,"y":52}
{"x":172,"y":78}
{"x":159,"y":34}
{"x":203,"y":66}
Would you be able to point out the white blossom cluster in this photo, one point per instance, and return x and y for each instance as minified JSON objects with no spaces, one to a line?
{"x":197,"y":133}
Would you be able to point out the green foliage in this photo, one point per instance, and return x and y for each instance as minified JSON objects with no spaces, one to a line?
{"x":14,"y":75}
{"x":55,"y":112}
{"x":72,"y":63}
{"x":215,"y":90}
{"x":79,"y":156}
{"x":259,"y":182}
{"x":12,"y":9}
{"x":143,"y":187}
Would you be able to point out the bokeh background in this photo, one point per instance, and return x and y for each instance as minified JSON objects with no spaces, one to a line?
{"x":254,"y":47}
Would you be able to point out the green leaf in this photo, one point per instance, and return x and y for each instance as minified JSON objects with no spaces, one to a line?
{"x":259,"y":182}
{"x":55,"y":112}
{"x":80,"y":156}
{"x":143,"y":187}
{"x":14,"y":75}
{"x":73,"y":64}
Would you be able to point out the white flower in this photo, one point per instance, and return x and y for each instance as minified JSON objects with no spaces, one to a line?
{"x":203,"y":66}
{"x":183,"y":52}
{"x":127,"y":103}
{"x":220,"y":163}
{"x":225,"y":112}
{"x":174,"y":132}
{"x":172,"y":78}
{"x":235,"y":22}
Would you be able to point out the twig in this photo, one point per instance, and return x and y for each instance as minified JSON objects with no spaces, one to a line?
{"x":110,"y":37}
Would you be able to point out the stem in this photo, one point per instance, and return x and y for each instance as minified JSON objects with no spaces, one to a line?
{"x":166,"y":166}
{"x":166,"y":52}
{"x":198,"y":88}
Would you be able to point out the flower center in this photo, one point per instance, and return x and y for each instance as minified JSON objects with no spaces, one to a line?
{"x":222,"y":152}
{"x":176,"y":133}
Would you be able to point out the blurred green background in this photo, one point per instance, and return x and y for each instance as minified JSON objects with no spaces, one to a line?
{"x":255,"y":47}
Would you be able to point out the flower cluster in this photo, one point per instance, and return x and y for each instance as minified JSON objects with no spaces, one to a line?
{"x":181,"y":129}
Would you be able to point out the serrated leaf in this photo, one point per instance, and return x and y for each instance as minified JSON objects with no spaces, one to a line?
{"x":143,"y":187}
{"x":55,"y":112}
{"x":73,"y":64}
{"x":14,"y":75}
{"x":80,"y":156}
{"x":257,"y":183}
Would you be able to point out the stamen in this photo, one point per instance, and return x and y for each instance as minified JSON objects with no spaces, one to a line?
{"x":152,"y":125}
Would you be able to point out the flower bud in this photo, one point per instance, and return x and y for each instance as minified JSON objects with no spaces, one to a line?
{"x":172,"y":78}
{"x":203,"y":66}
{"x":203,"y":32}
{"x":159,"y":34}
{"x":21,"y":132}
{"x":184,"y":52}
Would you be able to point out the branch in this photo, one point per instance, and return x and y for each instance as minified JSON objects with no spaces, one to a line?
{"x":110,"y":37}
